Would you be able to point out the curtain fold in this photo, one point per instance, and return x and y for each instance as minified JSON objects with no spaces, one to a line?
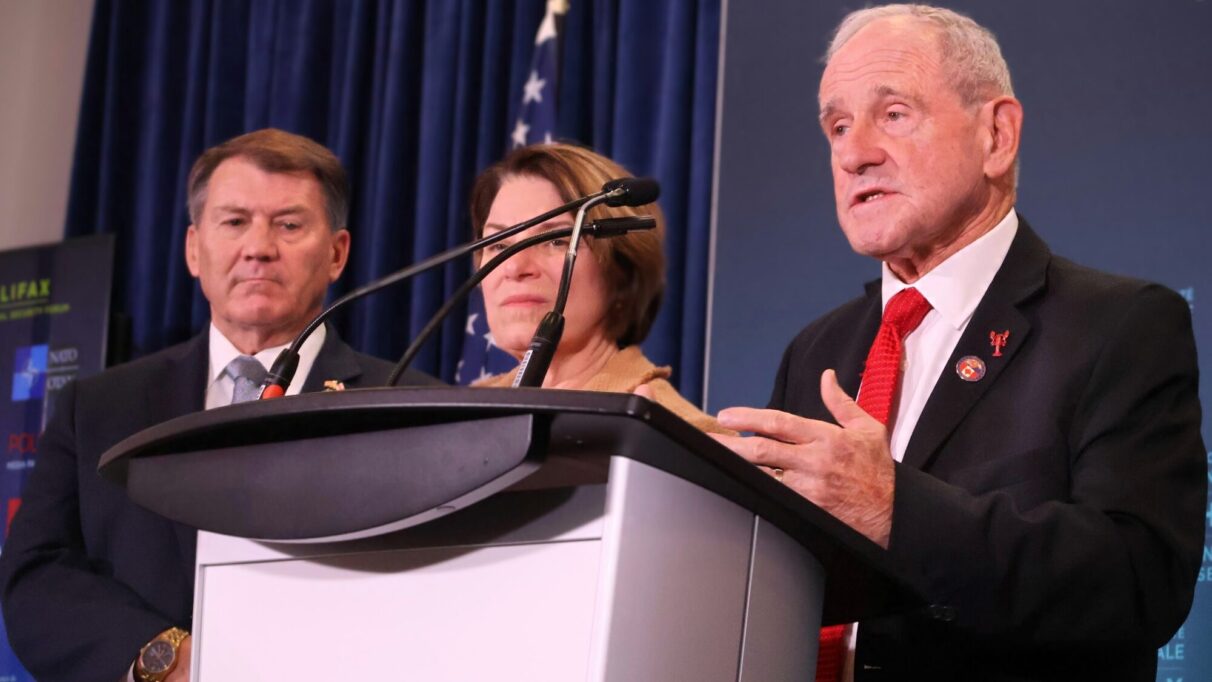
{"x":415,"y":97}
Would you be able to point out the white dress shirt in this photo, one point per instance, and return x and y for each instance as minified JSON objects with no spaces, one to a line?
{"x":954,"y":288}
{"x":219,"y":386}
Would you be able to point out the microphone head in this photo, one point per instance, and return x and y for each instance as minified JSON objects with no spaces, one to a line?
{"x":632,"y":191}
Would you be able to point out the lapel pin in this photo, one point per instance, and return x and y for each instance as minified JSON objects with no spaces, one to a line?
{"x":333,"y":385}
{"x":970,"y":368}
{"x":998,"y":341}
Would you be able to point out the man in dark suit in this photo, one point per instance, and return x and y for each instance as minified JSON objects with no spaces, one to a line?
{"x":95,"y":587}
{"x":1025,"y":441}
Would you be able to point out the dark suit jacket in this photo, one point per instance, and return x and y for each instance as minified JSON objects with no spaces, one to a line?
{"x":88,"y":577}
{"x":1052,"y":512}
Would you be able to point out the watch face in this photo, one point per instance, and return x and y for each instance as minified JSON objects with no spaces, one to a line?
{"x":158,"y":657}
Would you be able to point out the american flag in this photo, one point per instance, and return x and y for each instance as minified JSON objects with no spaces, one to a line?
{"x":535,"y":123}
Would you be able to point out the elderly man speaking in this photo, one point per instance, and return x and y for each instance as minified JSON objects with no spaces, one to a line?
{"x":95,"y":587}
{"x":1025,"y":441}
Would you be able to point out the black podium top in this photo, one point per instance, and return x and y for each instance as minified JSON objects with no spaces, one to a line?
{"x":325,"y":467}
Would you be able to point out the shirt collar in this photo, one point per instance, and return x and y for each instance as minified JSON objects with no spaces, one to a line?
{"x":957,"y":285}
{"x":222,"y":352}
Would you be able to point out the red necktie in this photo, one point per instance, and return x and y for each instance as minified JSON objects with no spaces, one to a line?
{"x":882,"y":374}
{"x":881,"y":379}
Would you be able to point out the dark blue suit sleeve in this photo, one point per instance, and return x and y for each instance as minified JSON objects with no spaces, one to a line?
{"x":68,"y":618}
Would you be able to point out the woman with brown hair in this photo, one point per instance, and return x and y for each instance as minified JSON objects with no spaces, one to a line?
{"x":614,"y":296}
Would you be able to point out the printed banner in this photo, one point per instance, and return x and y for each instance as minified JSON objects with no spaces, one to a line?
{"x":1188,"y":656}
{"x":54,"y":313}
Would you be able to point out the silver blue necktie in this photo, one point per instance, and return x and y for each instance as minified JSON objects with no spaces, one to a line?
{"x":247,"y":373}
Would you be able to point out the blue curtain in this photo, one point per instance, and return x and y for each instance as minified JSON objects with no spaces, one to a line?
{"x":415,"y":97}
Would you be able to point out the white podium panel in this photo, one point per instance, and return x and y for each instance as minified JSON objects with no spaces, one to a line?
{"x":783,"y":616}
{"x":648,"y":577}
{"x":459,"y":615}
{"x":674,"y":578}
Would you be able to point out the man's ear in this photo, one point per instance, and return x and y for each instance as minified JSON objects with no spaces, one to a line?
{"x":340,"y":254}
{"x":191,"y":250}
{"x":1002,"y":123}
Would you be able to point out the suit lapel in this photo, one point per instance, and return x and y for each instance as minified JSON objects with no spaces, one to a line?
{"x":182,"y":390}
{"x":854,"y":356}
{"x":1021,"y":276}
{"x":335,"y":362}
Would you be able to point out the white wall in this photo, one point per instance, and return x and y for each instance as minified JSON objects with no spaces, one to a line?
{"x":42,"y":49}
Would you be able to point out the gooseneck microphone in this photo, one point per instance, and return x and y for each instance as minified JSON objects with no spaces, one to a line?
{"x":287,"y":362}
{"x":605,"y":228}
{"x":537,"y":360}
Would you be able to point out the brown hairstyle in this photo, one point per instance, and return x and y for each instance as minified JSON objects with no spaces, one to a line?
{"x":634,"y":263}
{"x":275,"y":151}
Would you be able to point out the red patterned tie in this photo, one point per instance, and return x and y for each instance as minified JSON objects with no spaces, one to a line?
{"x":882,"y":374}
{"x":881,"y":379}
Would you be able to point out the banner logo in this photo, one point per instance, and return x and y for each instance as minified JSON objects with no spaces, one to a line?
{"x":25,"y":291}
{"x":29,"y":373}
{"x":22,"y":443}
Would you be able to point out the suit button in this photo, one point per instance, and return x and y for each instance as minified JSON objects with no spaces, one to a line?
{"x":941,"y":612}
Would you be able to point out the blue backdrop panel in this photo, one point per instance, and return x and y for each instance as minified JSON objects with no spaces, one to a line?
{"x":1113,"y":175}
{"x":54,"y":313}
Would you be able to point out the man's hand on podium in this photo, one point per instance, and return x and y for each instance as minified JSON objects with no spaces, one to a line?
{"x":844,"y":468}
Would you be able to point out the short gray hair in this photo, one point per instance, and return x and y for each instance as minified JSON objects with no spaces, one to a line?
{"x":970,"y":53}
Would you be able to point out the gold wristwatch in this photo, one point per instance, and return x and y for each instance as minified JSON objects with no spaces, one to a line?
{"x":159,"y":657}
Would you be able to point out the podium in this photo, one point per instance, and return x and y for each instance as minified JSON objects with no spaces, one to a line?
{"x":504,"y":534}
